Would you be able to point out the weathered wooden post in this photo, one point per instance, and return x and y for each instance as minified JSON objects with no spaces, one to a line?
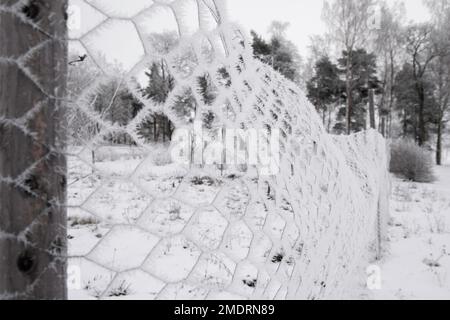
{"x":33,"y":68}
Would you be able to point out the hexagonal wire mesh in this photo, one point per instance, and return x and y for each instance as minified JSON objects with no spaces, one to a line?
{"x":143,"y":226}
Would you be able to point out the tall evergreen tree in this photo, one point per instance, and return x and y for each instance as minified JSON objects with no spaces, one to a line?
{"x":160,"y":83}
{"x":363,"y":78}
{"x":280,"y":53}
{"x":347,"y":21}
{"x":325,"y":87}
{"x":408,"y":104}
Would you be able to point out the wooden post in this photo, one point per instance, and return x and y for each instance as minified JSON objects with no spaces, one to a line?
{"x":33,"y":70}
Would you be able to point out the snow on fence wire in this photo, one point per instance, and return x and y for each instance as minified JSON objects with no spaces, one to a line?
{"x":140,"y":225}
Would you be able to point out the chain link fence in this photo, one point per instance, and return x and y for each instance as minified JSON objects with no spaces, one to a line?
{"x":194,"y":171}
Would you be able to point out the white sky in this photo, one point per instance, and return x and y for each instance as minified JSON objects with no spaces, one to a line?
{"x":304,"y":16}
{"x":118,"y":41}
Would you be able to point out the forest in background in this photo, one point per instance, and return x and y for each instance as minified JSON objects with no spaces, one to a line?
{"x":372,"y":58}
{"x":372,"y":69}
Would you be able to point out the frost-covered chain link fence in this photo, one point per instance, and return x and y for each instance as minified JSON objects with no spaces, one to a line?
{"x":302,"y":224}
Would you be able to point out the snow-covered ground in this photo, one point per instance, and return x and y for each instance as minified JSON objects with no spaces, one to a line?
{"x":124,"y":222}
{"x":417,"y":262}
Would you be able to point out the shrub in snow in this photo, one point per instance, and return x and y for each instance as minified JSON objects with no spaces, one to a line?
{"x":162,"y":157}
{"x":411,"y":162}
{"x":82,"y":221}
{"x":121,"y":291}
{"x":199,"y":181}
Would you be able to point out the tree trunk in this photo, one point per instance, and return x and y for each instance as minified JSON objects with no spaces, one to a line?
{"x":405,"y":124}
{"x":324,"y":116}
{"x":383,"y":127}
{"x":388,"y":125}
{"x":439,"y":144}
{"x":329,"y":119}
{"x":164,"y":127}
{"x":422,"y":131}
{"x":32,"y":165}
{"x":372,"y":108}
{"x":348,"y":84}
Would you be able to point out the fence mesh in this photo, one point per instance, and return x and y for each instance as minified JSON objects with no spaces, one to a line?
{"x":141,"y":225}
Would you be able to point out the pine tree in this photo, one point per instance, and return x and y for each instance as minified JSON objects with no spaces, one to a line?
{"x":363,"y":79}
{"x":408,"y":103}
{"x":325,"y":87}
{"x":160,"y":84}
{"x":279,"y":53}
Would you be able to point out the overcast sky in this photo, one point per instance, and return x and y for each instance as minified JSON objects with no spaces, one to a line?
{"x":304,"y":16}
{"x":118,"y":41}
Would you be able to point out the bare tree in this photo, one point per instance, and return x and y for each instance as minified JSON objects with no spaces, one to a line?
{"x":278,"y":29}
{"x":440,"y":67}
{"x":389,"y":44}
{"x":33,"y":67}
{"x":420,"y":48}
{"x":347,"y":21}
{"x":319,"y":47}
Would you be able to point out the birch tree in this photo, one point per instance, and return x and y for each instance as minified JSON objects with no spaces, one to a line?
{"x":389,"y":44}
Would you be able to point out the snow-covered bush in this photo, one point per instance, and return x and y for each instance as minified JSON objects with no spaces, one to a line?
{"x":162,"y":157}
{"x":411,"y":161}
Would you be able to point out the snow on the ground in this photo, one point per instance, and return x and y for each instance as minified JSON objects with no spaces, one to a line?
{"x":125,"y":217}
{"x":417,"y":261}
{"x":416,"y":264}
